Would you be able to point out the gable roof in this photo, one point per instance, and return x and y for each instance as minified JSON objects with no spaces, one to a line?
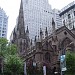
{"x":59,"y":31}
{"x":65,"y":28}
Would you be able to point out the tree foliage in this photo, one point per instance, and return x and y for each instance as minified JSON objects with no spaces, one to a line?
{"x":3,"y":45}
{"x":11,"y":49}
{"x":3,"y":41}
{"x":70,"y":63}
{"x":13,"y":64}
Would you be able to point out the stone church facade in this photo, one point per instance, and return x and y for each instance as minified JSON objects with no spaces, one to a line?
{"x":44,"y":51}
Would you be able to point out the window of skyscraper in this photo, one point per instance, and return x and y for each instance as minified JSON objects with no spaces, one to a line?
{"x":3,"y":34}
{"x":74,"y":13}
{"x":69,"y":16}
{"x":2,"y":31}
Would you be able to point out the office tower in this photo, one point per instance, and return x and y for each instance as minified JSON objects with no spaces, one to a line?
{"x":38,"y":14}
{"x":57,"y":18}
{"x":3,"y":23}
{"x":68,"y":15}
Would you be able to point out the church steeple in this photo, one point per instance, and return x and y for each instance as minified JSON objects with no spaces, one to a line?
{"x":20,"y":31}
{"x":20,"y":25}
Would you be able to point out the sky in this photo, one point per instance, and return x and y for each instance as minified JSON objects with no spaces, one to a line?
{"x":11,"y":7}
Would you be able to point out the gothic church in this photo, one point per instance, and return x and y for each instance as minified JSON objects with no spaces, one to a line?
{"x":44,"y":51}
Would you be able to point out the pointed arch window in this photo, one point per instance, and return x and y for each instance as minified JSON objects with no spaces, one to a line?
{"x":64,"y":44}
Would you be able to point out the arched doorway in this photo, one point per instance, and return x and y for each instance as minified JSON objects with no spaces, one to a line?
{"x":47,"y":62}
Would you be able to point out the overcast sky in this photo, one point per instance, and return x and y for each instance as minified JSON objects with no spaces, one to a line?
{"x":11,"y":7}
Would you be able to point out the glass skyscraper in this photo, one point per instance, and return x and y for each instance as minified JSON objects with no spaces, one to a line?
{"x":3,"y":23}
{"x":37,"y":14}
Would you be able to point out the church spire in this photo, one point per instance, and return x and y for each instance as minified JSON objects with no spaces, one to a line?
{"x":46,"y":32}
{"x":20,"y":25}
{"x":21,"y":17}
{"x":27,"y":37}
{"x":41,"y":34}
{"x":53,"y":26}
{"x":27,"y":32}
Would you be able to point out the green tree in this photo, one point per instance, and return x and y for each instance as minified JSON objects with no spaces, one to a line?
{"x":12,"y":63}
{"x":11,"y":49}
{"x":3,"y":45}
{"x":70,"y":63}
